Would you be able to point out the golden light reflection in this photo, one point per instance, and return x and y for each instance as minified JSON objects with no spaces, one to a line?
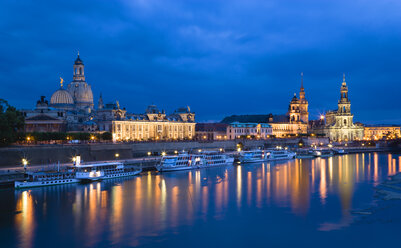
{"x":376,"y":169}
{"x":25,"y":220}
{"x":116,"y":217}
{"x":239,"y":185}
{"x":323,"y":183}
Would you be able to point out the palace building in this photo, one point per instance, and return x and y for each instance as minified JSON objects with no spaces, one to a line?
{"x":339,"y":125}
{"x":152,"y":125}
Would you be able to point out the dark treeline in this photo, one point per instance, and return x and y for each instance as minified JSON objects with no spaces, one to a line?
{"x":11,"y":123}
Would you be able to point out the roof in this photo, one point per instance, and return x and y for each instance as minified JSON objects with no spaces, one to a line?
{"x":382,"y":125}
{"x":237,"y":124}
{"x":255,"y":118}
{"x":41,"y":117}
{"x":211,"y":127}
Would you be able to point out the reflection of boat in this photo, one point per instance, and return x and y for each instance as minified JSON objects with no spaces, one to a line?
{"x":252,"y":156}
{"x":305,"y":154}
{"x":323,"y":153}
{"x":106,"y":170}
{"x":39,"y":179}
{"x":187,"y":161}
{"x":279,"y":154}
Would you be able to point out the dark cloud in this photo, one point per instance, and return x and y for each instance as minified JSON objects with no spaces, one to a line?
{"x":219,"y":57}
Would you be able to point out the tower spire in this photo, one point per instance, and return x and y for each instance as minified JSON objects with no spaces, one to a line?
{"x":302,"y":80}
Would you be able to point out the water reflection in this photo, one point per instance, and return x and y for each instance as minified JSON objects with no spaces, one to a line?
{"x":129,"y":210}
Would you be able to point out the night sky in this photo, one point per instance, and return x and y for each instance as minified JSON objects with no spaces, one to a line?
{"x":218,"y":57}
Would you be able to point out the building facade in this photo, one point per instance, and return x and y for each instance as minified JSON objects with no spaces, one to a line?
{"x":378,"y":132}
{"x":211,"y":131}
{"x":339,"y":124}
{"x":152,"y":125}
{"x":237,"y":130}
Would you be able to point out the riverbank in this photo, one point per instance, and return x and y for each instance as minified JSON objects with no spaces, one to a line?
{"x":16,"y":172}
{"x":63,"y":153}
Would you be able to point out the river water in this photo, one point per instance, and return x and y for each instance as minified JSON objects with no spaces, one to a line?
{"x":304,"y":202}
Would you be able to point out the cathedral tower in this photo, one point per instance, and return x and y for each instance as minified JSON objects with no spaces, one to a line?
{"x":303,"y":103}
{"x":344,"y":104}
{"x":79,"y":89}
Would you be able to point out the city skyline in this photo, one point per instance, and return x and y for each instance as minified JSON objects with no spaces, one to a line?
{"x":218,"y":59}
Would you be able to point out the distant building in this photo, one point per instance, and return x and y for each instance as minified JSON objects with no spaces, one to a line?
{"x":294,"y":122}
{"x":378,"y":132}
{"x":339,"y":125}
{"x":211,"y":131}
{"x":237,"y":130}
{"x":44,"y":119}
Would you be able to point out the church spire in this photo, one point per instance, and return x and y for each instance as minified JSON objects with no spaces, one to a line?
{"x":302,"y":90}
{"x":100,"y":102}
{"x":302,"y":80}
{"x":344,"y":83}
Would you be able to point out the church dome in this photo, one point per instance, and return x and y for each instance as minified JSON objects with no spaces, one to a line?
{"x":61,"y":97}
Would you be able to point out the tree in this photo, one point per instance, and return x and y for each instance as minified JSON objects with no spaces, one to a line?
{"x":107,"y":136}
{"x":11,"y":122}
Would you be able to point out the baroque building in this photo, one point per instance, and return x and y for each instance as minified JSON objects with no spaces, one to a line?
{"x":72,"y":109}
{"x":339,"y":125}
{"x":238,"y":130}
{"x":152,"y":125}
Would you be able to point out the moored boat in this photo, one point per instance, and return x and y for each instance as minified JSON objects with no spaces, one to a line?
{"x":305,"y":154}
{"x":279,"y":154}
{"x":252,"y":156}
{"x":186,"y":161}
{"x":214,"y":158}
{"x":48,"y":178}
{"x":182,"y":161}
{"x":104,"y":170}
{"x":324,"y":153}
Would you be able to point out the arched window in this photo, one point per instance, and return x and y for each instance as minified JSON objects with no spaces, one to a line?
{"x":345,"y":121}
{"x":344,"y":109}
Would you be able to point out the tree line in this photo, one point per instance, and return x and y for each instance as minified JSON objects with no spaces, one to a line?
{"x":11,"y":123}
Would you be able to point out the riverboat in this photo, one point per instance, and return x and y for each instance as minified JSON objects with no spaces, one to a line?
{"x":104,"y":170}
{"x":252,"y":156}
{"x":324,"y":153}
{"x":189,"y":161}
{"x":48,"y":178}
{"x":279,"y":154}
{"x":182,"y":161}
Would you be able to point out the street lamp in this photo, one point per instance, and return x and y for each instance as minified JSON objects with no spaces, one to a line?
{"x":117,"y":155}
{"x":24,"y":163}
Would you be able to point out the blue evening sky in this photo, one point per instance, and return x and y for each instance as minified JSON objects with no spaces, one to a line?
{"x":218,"y":57}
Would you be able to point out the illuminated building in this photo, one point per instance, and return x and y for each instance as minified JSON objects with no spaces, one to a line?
{"x":377,"y":132}
{"x":152,"y":125}
{"x":339,"y":125}
{"x":238,"y":130}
